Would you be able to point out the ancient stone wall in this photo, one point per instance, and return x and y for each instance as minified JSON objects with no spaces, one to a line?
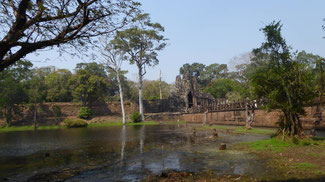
{"x":71,"y":109}
{"x":262,"y":118}
{"x":163,"y":105}
{"x":165,"y":110}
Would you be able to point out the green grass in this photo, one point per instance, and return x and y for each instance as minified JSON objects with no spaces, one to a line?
{"x":29,"y":128}
{"x":277,"y":145}
{"x":305,"y":165}
{"x":52,"y":127}
{"x":273,"y":144}
{"x":239,"y":129}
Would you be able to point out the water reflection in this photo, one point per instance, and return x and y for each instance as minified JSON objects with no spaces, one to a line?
{"x":123,"y":141}
{"x":142,"y":137}
{"x":125,"y":153}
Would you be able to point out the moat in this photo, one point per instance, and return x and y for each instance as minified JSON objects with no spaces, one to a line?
{"x":126,"y":153}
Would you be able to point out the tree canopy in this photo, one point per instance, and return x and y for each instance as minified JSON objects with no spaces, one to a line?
{"x":30,"y":25}
{"x":140,"y":45}
{"x":282,"y":80}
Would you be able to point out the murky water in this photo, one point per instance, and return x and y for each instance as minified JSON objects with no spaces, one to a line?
{"x":127,"y":153}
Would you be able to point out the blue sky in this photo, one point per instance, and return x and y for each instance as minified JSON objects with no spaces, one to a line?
{"x":214,"y":31}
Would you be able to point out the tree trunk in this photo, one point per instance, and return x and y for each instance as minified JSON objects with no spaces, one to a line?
{"x":140,"y":93}
{"x":248,"y":117}
{"x":160,"y":89}
{"x":121,"y":96}
{"x":8,"y":116}
{"x":35,"y":117}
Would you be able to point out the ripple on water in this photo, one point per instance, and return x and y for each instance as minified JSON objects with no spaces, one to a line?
{"x":125,"y":153}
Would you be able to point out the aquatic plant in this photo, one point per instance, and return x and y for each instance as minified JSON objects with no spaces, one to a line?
{"x":75,"y":123}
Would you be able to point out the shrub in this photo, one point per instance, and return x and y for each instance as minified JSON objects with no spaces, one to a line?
{"x":85,"y":113}
{"x":75,"y":123}
{"x":57,"y":112}
{"x":136,"y":117}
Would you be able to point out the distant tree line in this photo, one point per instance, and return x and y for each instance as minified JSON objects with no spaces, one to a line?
{"x":90,"y":83}
{"x":238,"y":83}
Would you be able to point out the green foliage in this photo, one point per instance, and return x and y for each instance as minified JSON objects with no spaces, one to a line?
{"x":57,"y":83}
{"x":194,"y":69}
{"x":92,"y":68}
{"x":282,"y":80}
{"x":141,"y":42}
{"x":136,"y":117}
{"x":57,"y":112}
{"x":75,"y":123}
{"x":316,"y":64}
{"x":205,"y":74}
{"x":226,"y":88}
{"x":151,"y":90}
{"x":128,"y":87}
{"x":87,"y":87}
{"x":85,"y":113}
{"x":13,"y":91}
{"x":36,"y":88}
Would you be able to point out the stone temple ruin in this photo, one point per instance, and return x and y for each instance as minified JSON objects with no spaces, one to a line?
{"x":188,"y":92}
{"x":187,"y":89}
{"x":187,"y":98}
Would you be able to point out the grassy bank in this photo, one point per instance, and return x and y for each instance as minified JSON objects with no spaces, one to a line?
{"x":295,"y":159}
{"x":277,"y":145}
{"x":238,"y":129}
{"x":29,"y":128}
{"x":53,"y":127}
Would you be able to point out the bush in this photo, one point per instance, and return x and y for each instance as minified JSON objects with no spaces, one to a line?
{"x":57,"y":112}
{"x":136,"y":117}
{"x":75,"y":123}
{"x":85,"y":113}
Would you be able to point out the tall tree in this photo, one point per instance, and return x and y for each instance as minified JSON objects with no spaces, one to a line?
{"x":205,"y":74}
{"x":141,"y":44}
{"x":283,"y":81}
{"x":12,"y":90}
{"x":37,"y":90}
{"x":30,"y":25}
{"x":113,"y":90}
{"x":194,"y":69}
{"x":58,"y":88}
{"x":226,"y":88}
{"x":151,"y":90}
{"x":114,"y":60}
{"x":317,"y":64}
{"x":87,"y":87}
